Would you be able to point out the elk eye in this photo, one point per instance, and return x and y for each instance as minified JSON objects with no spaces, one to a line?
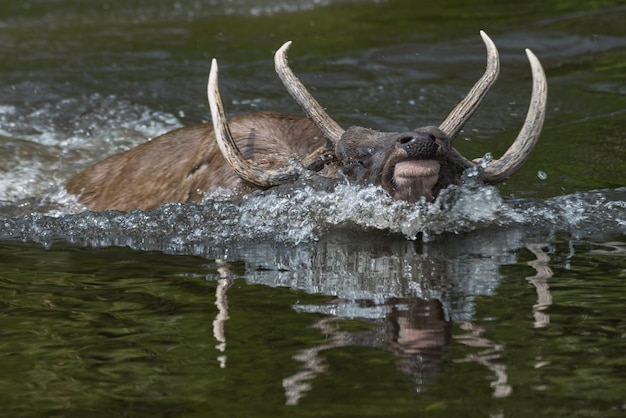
{"x":364,"y":157}
{"x":197,"y":168}
{"x":443,"y":142}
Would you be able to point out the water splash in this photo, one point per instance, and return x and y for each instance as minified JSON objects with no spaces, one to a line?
{"x":45,"y":146}
{"x":302,"y":213}
{"x":41,"y":148}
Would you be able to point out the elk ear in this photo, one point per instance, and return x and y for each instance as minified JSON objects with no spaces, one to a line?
{"x":353,"y":143}
{"x":342,"y":150}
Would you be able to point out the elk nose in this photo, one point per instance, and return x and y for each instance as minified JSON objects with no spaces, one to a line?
{"x":418,"y":145}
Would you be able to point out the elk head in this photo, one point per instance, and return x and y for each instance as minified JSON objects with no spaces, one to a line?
{"x":409,"y":165}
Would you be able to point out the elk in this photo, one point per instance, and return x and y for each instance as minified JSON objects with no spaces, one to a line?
{"x":265,"y":149}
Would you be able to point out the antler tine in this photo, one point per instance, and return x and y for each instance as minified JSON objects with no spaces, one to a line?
{"x":331,"y":129}
{"x":517,"y":154}
{"x":247,"y":170}
{"x":468,"y":106}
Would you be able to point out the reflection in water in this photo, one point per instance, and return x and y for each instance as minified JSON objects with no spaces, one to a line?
{"x":540,"y":281}
{"x":417,"y":333}
{"x":312,"y":364}
{"x":492,"y":352}
{"x":378,"y":268}
{"x":489,"y":355}
{"x":414,"y":330}
{"x":387,"y":290}
{"x":221,"y":301}
{"x":611,"y":248}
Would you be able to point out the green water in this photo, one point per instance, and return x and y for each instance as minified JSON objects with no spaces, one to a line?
{"x":104,"y":332}
{"x":506,"y":321}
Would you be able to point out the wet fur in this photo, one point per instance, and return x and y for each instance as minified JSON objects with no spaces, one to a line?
{"x":182,"y":165}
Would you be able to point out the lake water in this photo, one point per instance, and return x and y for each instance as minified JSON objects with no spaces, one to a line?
{"x":309,"y":299}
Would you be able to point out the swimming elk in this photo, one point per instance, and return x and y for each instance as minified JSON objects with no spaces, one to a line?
{"x":265,"y":149}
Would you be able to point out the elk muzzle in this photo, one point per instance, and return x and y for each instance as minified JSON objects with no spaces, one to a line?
{"x":412,"y":169}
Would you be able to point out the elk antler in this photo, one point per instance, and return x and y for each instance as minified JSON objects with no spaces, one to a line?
{"x":517,"y":154}
{"x":246,"y":169}
{"x":494,"y":172}
{"x":468,"y":106}
{"x":331,"y":129}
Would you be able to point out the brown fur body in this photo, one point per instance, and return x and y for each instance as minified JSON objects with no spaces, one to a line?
{"x":181,"y":165}
{"x":184,"y":164}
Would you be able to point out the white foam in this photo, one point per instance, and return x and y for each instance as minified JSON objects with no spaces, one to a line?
{"x":49,"y":146}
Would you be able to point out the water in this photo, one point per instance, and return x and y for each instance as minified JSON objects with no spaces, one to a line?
{"x":313,"y":298}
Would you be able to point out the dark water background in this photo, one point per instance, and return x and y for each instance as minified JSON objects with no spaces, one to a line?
{"x":309,"y":301}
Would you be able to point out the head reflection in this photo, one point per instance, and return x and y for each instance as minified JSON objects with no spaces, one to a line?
{"x":416,"y":300}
